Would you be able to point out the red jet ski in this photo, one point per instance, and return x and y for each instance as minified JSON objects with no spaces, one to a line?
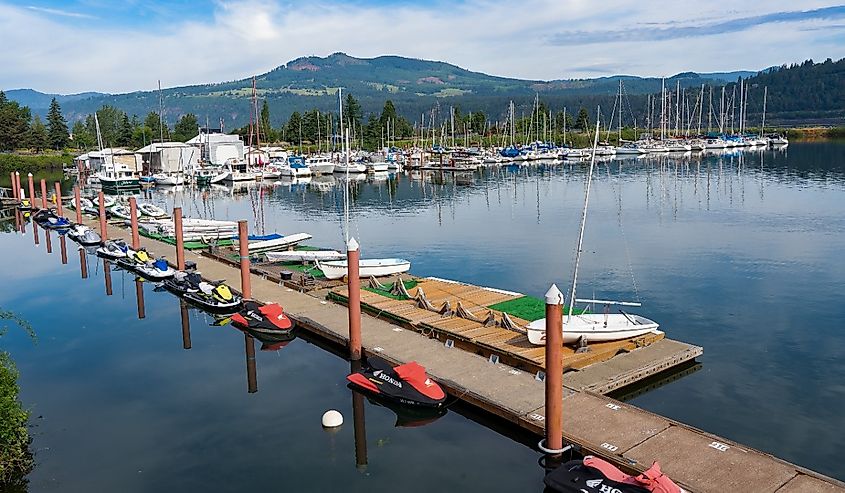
{"x":594,"y":474}
{"x":405,"y":384}
{"x":268,"y":320}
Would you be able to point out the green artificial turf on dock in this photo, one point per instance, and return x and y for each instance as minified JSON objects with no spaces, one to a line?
{"x":527,"y":308}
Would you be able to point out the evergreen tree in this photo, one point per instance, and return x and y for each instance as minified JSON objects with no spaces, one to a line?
{"x":293,"y":129}
{"x":125,"y":137}
{"x":583,"y":122}
{"x":352,"y":114}
{"x":267,"y":133}
{"x":14,"y":124}
{"x":153,"y":122}
{"x":82,"y":138}
{"x":57,"y":126}
{"x":186,"y":128}
{"x":38,"y":137}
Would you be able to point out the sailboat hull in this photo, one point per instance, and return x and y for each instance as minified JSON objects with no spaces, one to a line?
{"x":366,"y":267}
{"x":595,"y":328}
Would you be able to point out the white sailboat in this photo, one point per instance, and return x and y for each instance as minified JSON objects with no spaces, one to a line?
{"x":592,"y":327}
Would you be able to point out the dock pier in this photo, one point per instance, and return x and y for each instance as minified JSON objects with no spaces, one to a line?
{"x":488,"y":367}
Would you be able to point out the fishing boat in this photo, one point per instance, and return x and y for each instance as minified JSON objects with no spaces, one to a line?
{"x":304,"y":256}
{"x":377,"y":267}
{"x":236,"y":170}
{"x":590,"y":327}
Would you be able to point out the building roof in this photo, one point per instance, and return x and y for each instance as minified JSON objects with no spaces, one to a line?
{"x":157,"y":146}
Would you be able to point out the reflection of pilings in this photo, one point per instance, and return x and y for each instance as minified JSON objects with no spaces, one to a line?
{"x":359,"y":423}
{"x":107,"y":276}
{"x":35,"y":232}
{"x":83,"y":263}
{"x":49,"y":242}
{"x":63,"y":247}
{"x":139,"y":295}
{"x":186,"y":325}
{"x":19,"y":222}
{"x":251,"y":380}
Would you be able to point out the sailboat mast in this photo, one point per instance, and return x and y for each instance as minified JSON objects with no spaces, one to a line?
{"x":160,"y":110}
{"x":584,"y":217}
{"x":763,"y":124}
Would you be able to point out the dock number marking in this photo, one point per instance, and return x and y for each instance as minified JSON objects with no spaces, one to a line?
{"x":612,"y":406}
{"x":612,"y":448}
{"x":378,"y":349}
{"x":538,"y":417}
{"x":721,"y":447}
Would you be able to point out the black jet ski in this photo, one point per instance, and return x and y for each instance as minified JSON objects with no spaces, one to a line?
{"x":594,"y":474}
{"x":113,"y":250}
{"x":212,"y":297}
{"x":183,"y":282}
{"x":84,"y":235}
{"x":267,"y":320}
{"x":25,"y":205}
{"x":48,"y":219}
{"x":405,"y":384}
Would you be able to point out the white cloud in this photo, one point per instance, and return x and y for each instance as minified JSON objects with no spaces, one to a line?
{"x":63,"y":13}
{"x":246,"y":37}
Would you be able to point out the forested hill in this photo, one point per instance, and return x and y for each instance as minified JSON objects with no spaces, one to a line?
{"x":415,"y":86}
{"x":801,"y":92}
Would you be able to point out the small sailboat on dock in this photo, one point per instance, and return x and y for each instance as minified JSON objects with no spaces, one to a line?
{"x":591,"y":327}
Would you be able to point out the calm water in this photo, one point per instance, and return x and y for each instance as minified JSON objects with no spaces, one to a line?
{"x":737,"y":253}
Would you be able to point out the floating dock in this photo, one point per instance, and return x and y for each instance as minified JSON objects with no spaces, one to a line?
{"x":507,"y":386}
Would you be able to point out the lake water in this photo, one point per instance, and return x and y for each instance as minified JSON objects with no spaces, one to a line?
{"x":738,"y":253}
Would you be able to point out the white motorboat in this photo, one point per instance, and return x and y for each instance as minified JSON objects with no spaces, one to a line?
{"x":236,"y":170}
{"x":320,"y":164}
{"x":376,"y":267}
{"x":631,"y":148}
{"x":305,"y":256}
{"x":169,"y":179}
{"x":151,"y":210}
{"x":376,"y":167}
{"x":121,"y":211}
{"x":350,"y":168}
{"x":295,"y":167}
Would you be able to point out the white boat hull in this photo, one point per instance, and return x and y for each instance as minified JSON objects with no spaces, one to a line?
{"x":305,"y":256}
{"x":596,"y":327}
{"x":279,"y":243}
{"x":366,"y":267}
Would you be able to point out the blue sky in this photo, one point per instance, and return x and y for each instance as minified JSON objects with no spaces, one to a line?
{"x":128,"y":45}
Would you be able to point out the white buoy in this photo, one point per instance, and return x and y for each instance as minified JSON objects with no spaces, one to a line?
{"x":332,"y":419}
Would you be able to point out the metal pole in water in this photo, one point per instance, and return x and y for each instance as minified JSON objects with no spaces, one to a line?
{"x":243,"y":243}
{"x":251,"y":379}
{"x":554,"y":368}
{"x":44,"y":194}
{"x":101,"y":199}
{"x":77,"y":197}
{"x":107,"y":276}
{"x":133,"y":215}
{"x":139,"y":296}
{"x":58,"y":188}
{"x":186,"y":325}
{"x":180,"y":242}
{"x":353,"y":255}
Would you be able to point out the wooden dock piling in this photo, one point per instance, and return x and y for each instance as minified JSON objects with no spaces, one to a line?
{"x":44,"y":203}
{"x":180,"y":242}
{"x":31,"y":190}
{"x":18,"y":188}
{"x":58,"y":188}
{"x":12,"y":184}
{"x":101,"y":202}
{"x":554,"y":369}
{"x":77,"y":197}
{"x":243,"y":243}
{"x":353,"y":255}
{"x":133,"y":215}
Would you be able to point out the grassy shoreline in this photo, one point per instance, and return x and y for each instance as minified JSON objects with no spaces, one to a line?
{"x":33,"y":162}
